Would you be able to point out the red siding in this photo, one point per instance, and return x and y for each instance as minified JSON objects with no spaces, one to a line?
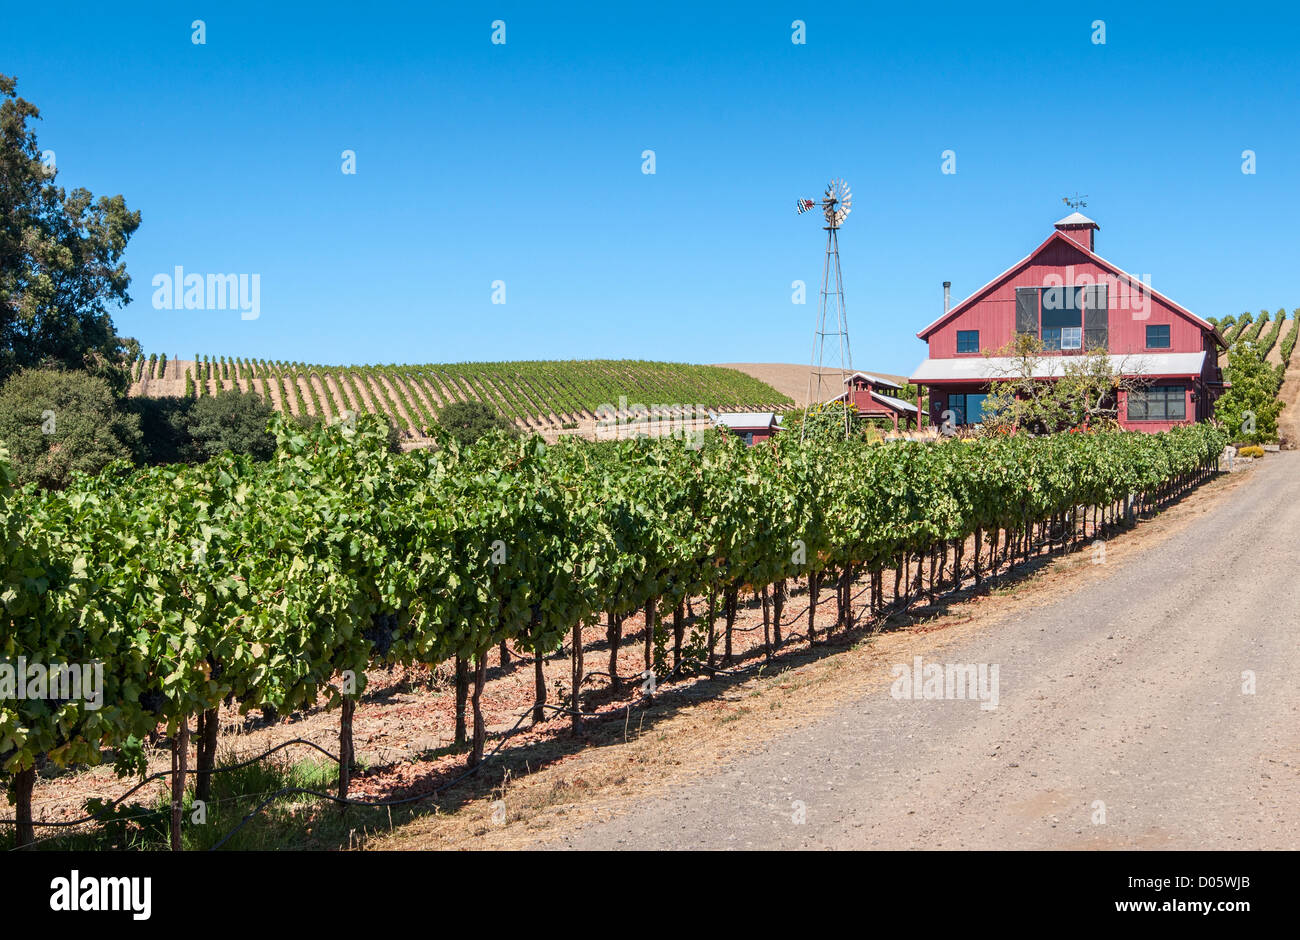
{"x":871,"y":407}
{"x":1084,"y":236}
{"x":1132,"y":309}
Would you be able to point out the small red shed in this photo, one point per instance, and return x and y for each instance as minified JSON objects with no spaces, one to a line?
{"x":752,"y":427}
{"x":869,"y":394}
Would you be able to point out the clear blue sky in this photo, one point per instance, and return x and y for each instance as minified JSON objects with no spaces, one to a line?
{"x":522,"y":162}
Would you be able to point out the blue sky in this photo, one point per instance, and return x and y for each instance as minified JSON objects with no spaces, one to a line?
{"x":522,"y":163}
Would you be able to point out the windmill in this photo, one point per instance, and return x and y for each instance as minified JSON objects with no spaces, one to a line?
{"x":836,"y":204}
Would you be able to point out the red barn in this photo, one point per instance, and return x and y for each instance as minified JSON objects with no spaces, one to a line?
{"x":1074,"y":300}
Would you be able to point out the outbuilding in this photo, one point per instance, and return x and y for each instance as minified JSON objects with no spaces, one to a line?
{"x":871,"y":397}
{"x":752,"y":427}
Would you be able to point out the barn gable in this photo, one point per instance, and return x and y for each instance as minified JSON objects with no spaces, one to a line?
{"x":1060,"y":250}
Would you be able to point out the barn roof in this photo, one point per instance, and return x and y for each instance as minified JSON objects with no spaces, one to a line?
{"x":1091,"y":256}
{"x":994,"y":367}
{"x":747,"y":419}
{"x":874,"y":379}
{"x":1077,"y":218}
{"x":896,"y":403}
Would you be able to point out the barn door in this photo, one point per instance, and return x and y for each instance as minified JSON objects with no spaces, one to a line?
{"x":1096,"y":317}
{"x":1027,"y":310}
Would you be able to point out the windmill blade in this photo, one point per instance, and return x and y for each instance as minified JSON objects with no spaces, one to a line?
{"x":842,"y":200}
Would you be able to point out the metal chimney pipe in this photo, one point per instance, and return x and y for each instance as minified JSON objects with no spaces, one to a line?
{"x":947,"y":296}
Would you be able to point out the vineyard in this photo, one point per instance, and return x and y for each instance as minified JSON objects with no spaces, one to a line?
{"x":277,"y":585}
{"x":1273,"y":334}
{"x":544,"y":396}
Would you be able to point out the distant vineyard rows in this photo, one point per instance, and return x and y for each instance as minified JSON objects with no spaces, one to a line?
{"x":533,"y":394}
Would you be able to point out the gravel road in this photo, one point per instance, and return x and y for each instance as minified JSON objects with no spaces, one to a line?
{"x":1121,"y":720}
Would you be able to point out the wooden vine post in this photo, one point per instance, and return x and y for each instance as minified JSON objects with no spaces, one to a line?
{"x":480,"y":728}
{"x":180,"y":757}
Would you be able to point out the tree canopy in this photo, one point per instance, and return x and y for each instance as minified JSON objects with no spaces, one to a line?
{"x":61,"y":268}
{"x":1084,"y":391}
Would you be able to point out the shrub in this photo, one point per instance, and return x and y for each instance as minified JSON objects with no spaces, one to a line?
{"x":164,"y":437}
{"x":1268,"y":339}
{"x":469,"y":420}
{"x":1251,"y":450}
{"x":56,"y":423}
{"x":229,"y":421}
{"x":1249,"y":409}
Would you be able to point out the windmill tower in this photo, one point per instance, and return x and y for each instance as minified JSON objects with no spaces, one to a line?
{"x":829,"y":376}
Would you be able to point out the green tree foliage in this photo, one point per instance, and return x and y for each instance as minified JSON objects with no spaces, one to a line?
{"x":467,"y":421}
{"x":1242,"y":323}
{"x":230,"y":421}
{"x":55,"y":423}
{"x":164,"y":433}
{"x":61,"y":268}
{"x":825,"y":421}
{"x":1084,"y":391}
{"x":1249,"y":409}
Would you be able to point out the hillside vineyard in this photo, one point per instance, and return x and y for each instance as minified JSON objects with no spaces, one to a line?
{"x":280,"y":582}
{"x":542,"y":395}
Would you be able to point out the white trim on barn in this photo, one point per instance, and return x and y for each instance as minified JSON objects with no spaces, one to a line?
{"x":873,"y":379}
{"x":1046,"y":367}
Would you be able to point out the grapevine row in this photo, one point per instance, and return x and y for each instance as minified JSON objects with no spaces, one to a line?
{"x":281,"y":582}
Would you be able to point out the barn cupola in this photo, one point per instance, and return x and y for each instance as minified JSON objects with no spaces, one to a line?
{"x":1079,"y":228}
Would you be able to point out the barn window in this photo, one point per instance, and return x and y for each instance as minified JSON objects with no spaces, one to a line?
{"x":966,"y":409}
{"x":1062,"y":317}
{"x":1157,"y":403}
{"x":1158,"y":337}
{"x":968,"y":341}
{"x":1063,"y":337}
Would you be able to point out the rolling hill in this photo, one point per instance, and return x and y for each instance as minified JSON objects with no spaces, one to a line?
{"x":549,"y":397}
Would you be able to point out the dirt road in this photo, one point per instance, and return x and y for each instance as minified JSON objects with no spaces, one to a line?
{"x":1121,"y":721}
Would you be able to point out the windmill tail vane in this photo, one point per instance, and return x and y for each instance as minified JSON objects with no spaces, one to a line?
{"x":803,"y":205}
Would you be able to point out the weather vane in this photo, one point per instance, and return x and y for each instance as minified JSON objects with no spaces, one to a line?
{"x":1077,"y":202}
